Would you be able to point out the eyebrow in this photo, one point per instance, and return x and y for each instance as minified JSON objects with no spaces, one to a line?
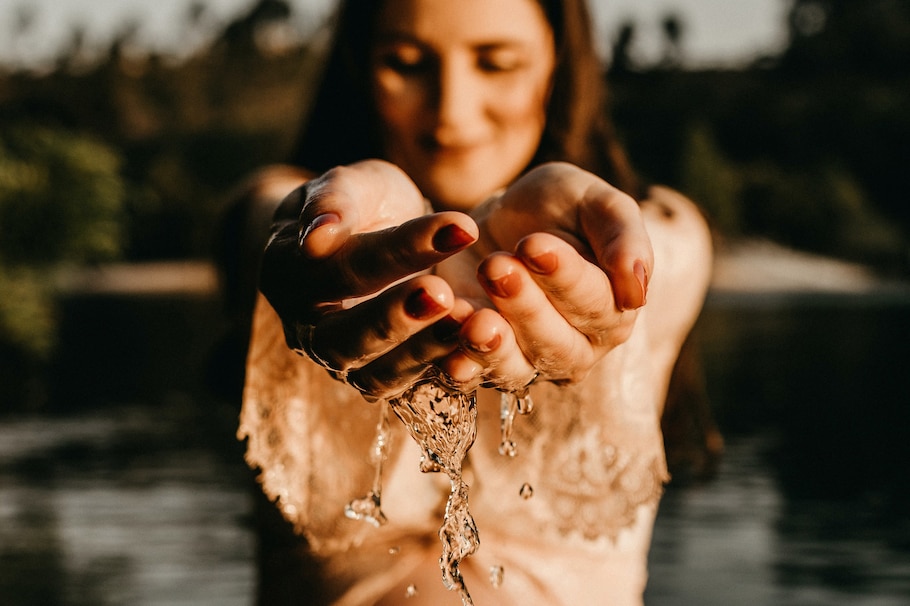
{"x":399,"y":37}
{"x":391,"y":36}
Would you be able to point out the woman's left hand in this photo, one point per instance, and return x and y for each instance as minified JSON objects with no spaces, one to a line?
{"x":564,"y":262}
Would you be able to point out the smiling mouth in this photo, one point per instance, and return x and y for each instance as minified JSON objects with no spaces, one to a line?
{"x":450,"y":152}
{"x":432,"y":145}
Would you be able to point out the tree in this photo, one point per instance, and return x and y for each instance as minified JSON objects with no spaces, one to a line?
{"x":871,"y":37}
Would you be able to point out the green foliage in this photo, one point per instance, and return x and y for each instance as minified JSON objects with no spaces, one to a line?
{"x":711,"y":179}
{"x":808,"y":146}
{"x":61,"y":198}
{"x":823,"y":208}
{"x":61,"y":202}
{"x":185,"y":179}
{"x":27,"y":311}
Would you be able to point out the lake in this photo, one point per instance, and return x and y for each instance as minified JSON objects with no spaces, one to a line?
{"x":131,"y":490}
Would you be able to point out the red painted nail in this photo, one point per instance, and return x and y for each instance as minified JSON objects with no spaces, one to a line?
{"x":503,"y":287}
{"x":641,"y":275}
{"x":545,"y":263}
{"x":489,"y":345}
{"x":420,"y":305}
{"x":451,"y":238}
{"x":319,"y":221}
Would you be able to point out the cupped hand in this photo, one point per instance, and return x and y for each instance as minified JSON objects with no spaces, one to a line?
{"x":564,"y":262}
{"x":345,"y":272}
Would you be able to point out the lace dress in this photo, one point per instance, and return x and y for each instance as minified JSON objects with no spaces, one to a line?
{"x":594,"y":459}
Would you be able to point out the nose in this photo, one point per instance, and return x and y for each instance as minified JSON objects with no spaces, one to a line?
{"x":459,"y":102}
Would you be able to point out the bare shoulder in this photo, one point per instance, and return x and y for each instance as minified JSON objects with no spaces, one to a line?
{"x":678,"y":224}
{"x":671,"y":207}
{"x":683,"y":260}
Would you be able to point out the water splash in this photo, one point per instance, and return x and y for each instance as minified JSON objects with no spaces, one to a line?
{"x":443,"y":421}
{"x":526,"y":491}
{"x":369,"y":508}
{"x":510,"y":403}
{"x":410,"y":591}
{"x":496,"y":574}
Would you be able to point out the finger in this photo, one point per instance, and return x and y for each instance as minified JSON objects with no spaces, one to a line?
{"x":351,"y":338}
{"x":365,"y":196}
{"x":392,"y":373}
{"x":489,"y":340}
{"x":545,"y":336}
{"x":364,"y":263}
{"x":461,"y":371}
{"x":496,"y":359}
{"x":579,"y":290}
{"x":615,"y":230}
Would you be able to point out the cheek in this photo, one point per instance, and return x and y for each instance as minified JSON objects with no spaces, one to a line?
{"x":397,"y":104}
{"x":523,"y":109}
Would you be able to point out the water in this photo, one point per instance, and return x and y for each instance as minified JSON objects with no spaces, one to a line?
{"x":526,"y":491}
{"x":136,"y":494}
{"x":496,"y":575}
{"x":122,"y":506}
{"x":512,"y":403}
{"x":810,"y":505}
{"x":369,"y":507}
{"x":444,"y":423}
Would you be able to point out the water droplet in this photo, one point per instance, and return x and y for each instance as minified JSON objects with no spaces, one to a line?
{"x":394,"y":550}
{"x":508,"y":406}
{"x":411,"y":591}
{"x":496,"y":573}
{"x":367,"y":509}
{"x":526,"y":492}
{"x":524,"y":403}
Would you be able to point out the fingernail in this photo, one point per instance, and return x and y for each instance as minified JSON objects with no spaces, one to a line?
{"x":420,"y":305}
{"x":545,"y":263}
{"x":642,"y":276}
{"x":488,"y":346}
{"x":503,"y":287}
{"x":451,"y":238}
{"x":319,"y":221}
{"x":446,"y":330}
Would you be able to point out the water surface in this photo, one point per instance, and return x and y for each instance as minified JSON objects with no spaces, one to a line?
{"x":135,"y":493}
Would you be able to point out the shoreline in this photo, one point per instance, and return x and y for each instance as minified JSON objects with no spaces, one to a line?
{"x":748,"y":270}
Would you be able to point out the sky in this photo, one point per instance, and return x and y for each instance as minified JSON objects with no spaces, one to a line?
{"x":717,"y":32}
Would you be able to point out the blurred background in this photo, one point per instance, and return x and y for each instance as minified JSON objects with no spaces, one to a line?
{"x":124,"y":126}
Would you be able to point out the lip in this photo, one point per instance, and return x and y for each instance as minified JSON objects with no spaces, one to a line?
{"x":457,"y":150}
{"x":455,"y":153}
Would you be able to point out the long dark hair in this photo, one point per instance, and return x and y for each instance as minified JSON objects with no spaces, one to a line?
{"x":342,"y":127}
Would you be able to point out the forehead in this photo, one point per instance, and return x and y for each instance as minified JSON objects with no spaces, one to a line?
{"x":472,"y":22}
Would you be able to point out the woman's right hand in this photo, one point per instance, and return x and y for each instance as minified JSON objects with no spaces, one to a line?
{"x":345,"y":271}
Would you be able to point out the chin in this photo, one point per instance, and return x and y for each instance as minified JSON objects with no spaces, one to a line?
{"x":462,"y":200}
{"x":457,"y":190}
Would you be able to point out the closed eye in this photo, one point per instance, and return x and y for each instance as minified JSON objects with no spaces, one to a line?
{"x":498,"y":58}
{"x":405,"y":58}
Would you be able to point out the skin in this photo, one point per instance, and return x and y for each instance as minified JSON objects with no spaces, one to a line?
{"x":461,"y":93}
{"x":554,"y":273}
{"x":461,"y":90}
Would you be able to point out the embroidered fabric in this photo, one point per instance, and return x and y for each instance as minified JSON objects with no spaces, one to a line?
{"x":594,"y":460}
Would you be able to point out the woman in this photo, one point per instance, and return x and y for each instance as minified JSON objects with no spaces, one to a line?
{"x":483,"y":222}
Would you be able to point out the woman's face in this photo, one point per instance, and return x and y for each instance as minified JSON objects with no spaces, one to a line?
{"x":461,"y":89}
